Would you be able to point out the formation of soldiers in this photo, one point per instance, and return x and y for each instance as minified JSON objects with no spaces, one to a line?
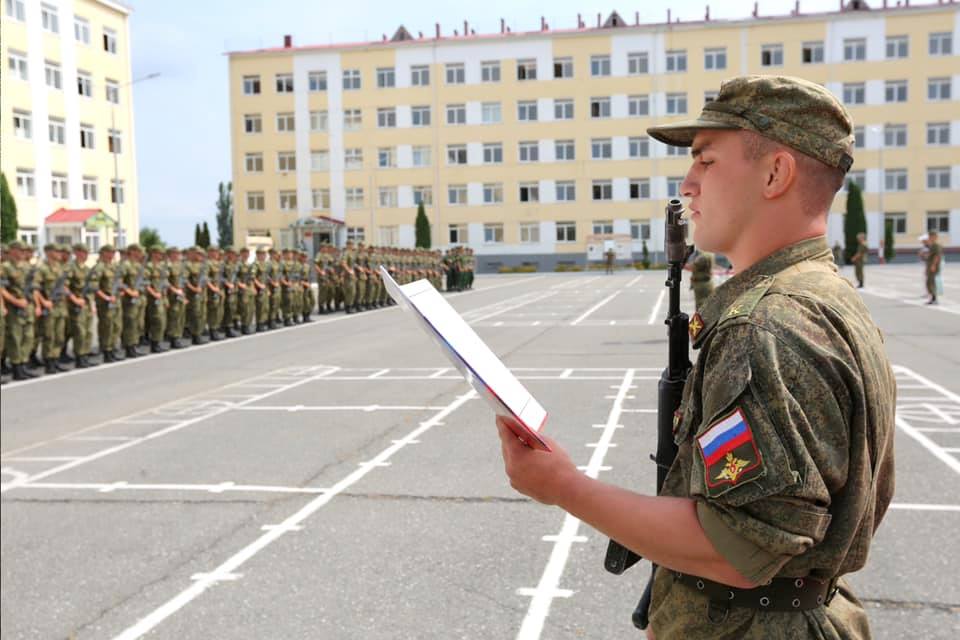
{"x":165,"y":296}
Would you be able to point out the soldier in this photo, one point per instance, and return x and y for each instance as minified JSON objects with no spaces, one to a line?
{"x":157,"y":283}
{"x":701,"y":278}
{"x":82,"y":283}
{"x":196,"y":283}
{"x":51,"y":297}
{"x":756,"y":521}
{"x":245,"y":292}
{"x":176,"y":298}
{"x":4,"y":257}
{"x":859,"y":258}
{"x":134,"y":276}
{"x":276,"y":292}
{"x":107,"y":281}
{"x":934,"y":256}
{"x":609,"y":256}
{"x":19,"y":281}
{"x":261,"y":286}
{"x":348,"y":284}
{"x":308,"y":301}
{"x":215,"y":268}
{"x":230,"y":302}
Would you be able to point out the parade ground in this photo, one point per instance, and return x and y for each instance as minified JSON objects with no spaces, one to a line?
{"x":339,"y":479}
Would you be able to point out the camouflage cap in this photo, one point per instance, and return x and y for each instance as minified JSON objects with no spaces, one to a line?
{"x":229,"y":249}
{"x":63,"y":247}
{"x":798,"y":113}
{"x":155,"y":249}
{"x":16,"y":245}
{"x":50,"y":247}
{"x":134,"y":247}
{"x":172,"y":249}
{"x":107,"y":247}
{"x":81,"y":248}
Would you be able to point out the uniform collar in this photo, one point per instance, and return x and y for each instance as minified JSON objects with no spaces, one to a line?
{"x":717,"y":304}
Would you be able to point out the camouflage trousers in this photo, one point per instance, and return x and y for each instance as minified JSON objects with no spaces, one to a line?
{"x":108,"y":325}
{"x":176,"y":316}
{"x":196,"y":314}
{"x":130,"y":334}
{"x":19,"y":334}
{"x":214,"y":311}
{"x":54,"y":331}
{"x":158,"y":318}
{"x":262,"y":303}
{"x":79,"y":327}
{"x":229,"y":310}
{"x":309,"y":300}
{"x":245,"y":307}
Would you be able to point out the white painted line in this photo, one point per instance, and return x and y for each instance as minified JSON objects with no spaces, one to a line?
{"x":99,"y":438}
{"x":41,"y":458}
{"x":938,"y":429}
{"x":536,"y":324}
{"x":566,"y":373}
{"x":498,"y":324}
{"x":160,"y":614}
{"x":633,"y":282}
{"x":656,"y":307}
{"x":589,"y":311}
{"x":929,"y":444}
{"x":925,"y":507}
{"x":898,"y":297}
{"x":951,"y":449}
{"x":110,"y":487}
{"x":368,"y":408}
{"x":543,"y":296}
{"x":379,"y":373}
{"x":439,"y":372}
{"x":639,"y":410}
{"x":929,"y":383}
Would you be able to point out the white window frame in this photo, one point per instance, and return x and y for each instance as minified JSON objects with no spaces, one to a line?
{"x":899,"y":220}
{"x":114,"y":141}
{"x":526,"y":69}
{"x":387,"y":197}
{"x":811,"y":52}
{"x":287,"y":200}
{"x":88,"y":139}
{"x":81,"y":30}
{"x":386,"y":117}
{"x":854,"y":49}
{"x":566,"y":190}
{"x":895,"y":180}
{"x":600,"y":107}
{"x":316,"y":81}
{"x":895,"y":135}
{"x":53,"y":74}
{"x":422,"y":156}
{"x":640,"y":187}
{"x":563,"y":109}
{"x":423,"y":194}
{"x":771,"y":55}
{"x":252,"y":123}
{"x":529,"y":233}
{"x":895,"y":91}
{"x":601,"y":148}
{"x":84,"y":84}
{"x":938,"y":179}
{"x":854,"y":93}
{"x":715,"y":58}
{"x":23,"y":124}
{"x":58,"y":186}
{"x":320,"y":199}
{"x":492,"y":233}
{"x":602,"y":227}
{"x":286,"y":161}
{"x":600,"y":66}
{"x":456,"y":195}
{"x":353,"y":158}
{"x":639,"y":230}
{"x":528,"y":151}
{"x":492,"y":193}
{"x":56,"y":130}
{"x":388,"y":236}
{"x":638,"y":63}
{"x":673,"y":186}
{"x":17,"y":10}
{"x":601,"y":191}
{"x":353,"y":198}
{"x":253,"y":162}
{"x":352,"y":80}
{"x":456,"y":73}
{"x":286,"y":122}
{"x":386,"y":157}
{"x":938,"y":134}
{"x":940,"y":44}
{"x":937,"y":221}
{"x":110,"y":41}
{"x":17,"y":65}
{"x":458,"y":233}
{"x":386,"y":77}
{"x":564,"y":150}
{"x":26,"y":183}
{"x":490,"y":71}
{"x":319,"y":121}
{"x":528,"y":192}
{"x":88,"y":186}
{"x":491,"y":113}
{"x":456,"y":114}
{"x":676,"y":61}
{"x":456,"y":154}
{"x":283,"y":82}
{"x":527,"y":110}
{"x":638,"y":147}
{"x":319,"y":160}
{"x":420,"y":75}
{"x":111,"y":90}
{"x":352,"y":119}
{"x":938,"y":89}
{"x":420,"y":116}
{"x":676,"y":103}
{"x":492,"y":153}
{"x":256,"y":201}
{"x":898,"y":47}
{"x":638,"y":105}
{"x":356,"y":234}
{"x":562,"y":68}
{"x":566,"y":232}
{"x":117,"y":192}
{"x":49,"y":18}
{"x":251,"y":85}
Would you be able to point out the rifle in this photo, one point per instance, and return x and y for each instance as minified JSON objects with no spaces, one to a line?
{"x":87,"y":288}
{"x":164,"y":280}
{"x":180,"y":278}
{"x":202,"y":280}
{"x":137,"y":284}
{"x":28,"y":288}
{"x":670,"y":391}
{"x":56,"y":295}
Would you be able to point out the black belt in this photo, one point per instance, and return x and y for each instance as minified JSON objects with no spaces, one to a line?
{"x":779,"y":594}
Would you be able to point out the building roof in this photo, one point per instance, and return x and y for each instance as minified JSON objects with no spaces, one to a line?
{"x":66,"y":216}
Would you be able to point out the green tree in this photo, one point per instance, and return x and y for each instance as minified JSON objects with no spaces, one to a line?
{"x":8,"y":212}
{"x":149,"y":238}
{"x":854,"y":222}
{"x":422,"y":228}
{"x":197,"y":235}
{"x":225,"y":215}
{"x":205,"y":235}
{"x":889,"y":253}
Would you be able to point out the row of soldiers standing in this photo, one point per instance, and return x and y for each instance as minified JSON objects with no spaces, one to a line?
{"x":162,"y":295}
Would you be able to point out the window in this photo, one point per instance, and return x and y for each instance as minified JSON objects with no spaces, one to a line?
{"x":895,"y":180}
{"x":25,"y":184}
{"x":112,"y":90}
{"x":354,"y":197}
{"x":420,"y":76}
{"x":490,"y":71}
{"x":676,"y":103}
{"x":638,"y":106}
{"x":56,"y":130}
{"x":492,"y":193}
{"x":456,"y":154}
{"x":812,"y":53}
{"x":771,"y":55}
{"x":86,"y":136}
{"x":710,"y":96}
{"x":319,"y":160}
{"x":527,"y":110}
{"x":420,"y":116}
{"x":601,"y":148}
{"x":353,"y":158}
{"x":941,"y":44}
{"x":675,"y":152}
{"x":352,"y":119}
{"x":640,"y":230}
{"x":386,"y":117}
{"x":599,"y":107}
{"x":421,"y":156}
{"x":251,"y":85}
{"x":84,"y":84}
{"x":285,"y":122}
{"x":602,"y":190}
{"x":288,"y":200}
{"x":17,"y":64}
{"x":320,"y":199}
{"x":253,"y":162}
{"x":638,"y":63}
{"x":895,"y":91}
{"x":529,"y":232}
{"x":528,"y":151}
{"x":351,"y":79}
{"x":566,"y":191}
{"x":49,"y":18}
{"x":640,"y":190}
{"x":600,"y":227}
{"x":286,"y":161}
{"x":673,"y":186}
{"x":456,"y":114}
{"x":599,"y":66}
{"x":938,"y":221}
{"x":526,"y":69}
{"x":117,"y":192}
{"x":58,"y":186}
{"x":938,"y":133}
{"x":386,"y":157}
{"x":109,"y":40}
{"x":81,"y":30}
{"x":387,"y":196}
{"x":318,"y":121}
{"x":897,"y":47}
{"x":386,"y":77}
{"x":938,"y":89}
{"x":563,"y":109}
{"x":114,"y":141}
{"x":23,"y":124}
{"x":423,"y":194}
{"x":493,"y":232}
{"x":859,"y":138}
{"x":854,"y":93}
{"x":938,"y":178}
{"x":255,"y":201}
{"x":492,"y":153}
{"x":356,"y":234}
{"x":457,"y":194}
{"x":562,"y":68}
{"x":490,"y":112}
{"x":529,"y":192}
{"x":639,"y":147}
{"x":389,"y":236}
{"x":317,"y":81}
{"x":456,"y":74}
{"x":16,"y":10}
{"x":89,"y":187}
{"x":252,"y":123}
{"x":677,"y":61}
{"x":858,"y":178}
{"x":897,"y":220}
{"x":565,"y":150}
{"x":854,"y":49}
{"x":715,"y":59}
{"x":284,"y":82}
{"x":53,"y":76}
{"x":458,"y":233}
{"x":895,"y":135}
{"x":566,"y":232}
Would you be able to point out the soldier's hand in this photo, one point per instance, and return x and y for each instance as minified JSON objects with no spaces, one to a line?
{"x":539,"y":474}
{"x":38,"y":312}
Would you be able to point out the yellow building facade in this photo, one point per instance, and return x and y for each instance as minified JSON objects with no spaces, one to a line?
{"x":67,"y":121}
{"x":529,"y":146}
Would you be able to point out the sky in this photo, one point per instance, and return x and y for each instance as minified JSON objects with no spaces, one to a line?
{"x":182,"y":116}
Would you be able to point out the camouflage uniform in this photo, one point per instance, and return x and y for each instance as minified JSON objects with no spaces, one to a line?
{"x":157,"y":281}
{"x":932,"y":266}
{"x":859,"y":259}
{"x":82,"y":284}
{"x":176,"y":298}
{"x":701,"y":279}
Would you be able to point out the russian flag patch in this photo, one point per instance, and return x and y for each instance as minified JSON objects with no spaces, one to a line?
{"x":730,"y":455}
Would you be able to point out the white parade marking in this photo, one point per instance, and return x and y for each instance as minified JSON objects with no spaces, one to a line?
{"x":925,"y":507}
{"x":223,"y":487}
{"x":656,"y":308}
{"x":379,"y":373}
{"x":928,"y":444}
{"x":368,"y":408}
{"x":589,"y":311}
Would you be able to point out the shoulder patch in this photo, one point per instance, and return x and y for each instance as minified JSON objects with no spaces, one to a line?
{"x":730,"y":455}
{"x":747,"y":302}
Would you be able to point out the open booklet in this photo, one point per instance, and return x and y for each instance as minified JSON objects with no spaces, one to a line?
{"x":478,"y":364}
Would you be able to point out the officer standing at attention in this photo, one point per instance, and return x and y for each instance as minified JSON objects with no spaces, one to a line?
{"x":859,"y":258}
{"x":701,"y":278}
{"x":785,"y":433}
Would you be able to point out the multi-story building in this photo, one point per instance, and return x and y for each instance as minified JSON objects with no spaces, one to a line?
{"x":67,"y":120}
{"x":527,"y":146}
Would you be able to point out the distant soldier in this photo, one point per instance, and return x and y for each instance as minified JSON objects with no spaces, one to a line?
{"x":701,"y":278}
{"x":261,"y":287}
{"x":308,"y":299}
{"x":932,"y":265}
{"x":214,"y":292}
{"x":609,"y":255}
{"x":348,"y":283}
{"x":230,"y":298}
{"x":176,"y":298}
{"x":245,"y":292}
{"x":276,"y":293}
{"x":53,"y":296}
{"x":134,"y":275}
{"x":157,"y":283}
{"x":108,"y":275}
{"x":81,"y":284}
{"x":859,"y":258}
{"x":196,"y":283}
{"x":19,"y":276}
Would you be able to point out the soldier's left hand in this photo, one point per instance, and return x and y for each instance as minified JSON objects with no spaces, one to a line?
{"x":541,"y":475}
